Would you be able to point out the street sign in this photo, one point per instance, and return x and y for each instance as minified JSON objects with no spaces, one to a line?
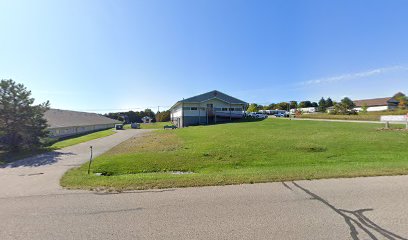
{"x":394,"y":118}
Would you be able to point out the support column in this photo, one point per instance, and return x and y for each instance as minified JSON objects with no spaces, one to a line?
{"x":206,"y":110}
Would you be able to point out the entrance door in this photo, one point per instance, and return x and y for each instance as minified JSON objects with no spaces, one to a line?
{"x":210,"y":109}
{"x":210,"y":113}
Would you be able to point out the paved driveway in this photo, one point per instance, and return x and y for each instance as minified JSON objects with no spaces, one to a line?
{"x":40,"y":175}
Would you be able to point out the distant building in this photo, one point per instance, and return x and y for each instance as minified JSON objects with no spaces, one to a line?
{"x":208,"y":108}
{"x":63,"y":123}
{"x":377,"y":104}
{"x":147,"y":119}
{"x":330,"y":109}
{"x":308,"y":109}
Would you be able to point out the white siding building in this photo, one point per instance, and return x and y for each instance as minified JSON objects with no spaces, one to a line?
{"x":207,"y":108}
{"x":376,"y":104}
{"x":63,"y":123}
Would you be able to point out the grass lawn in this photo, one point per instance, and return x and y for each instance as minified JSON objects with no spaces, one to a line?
{"x":84,"y":138}
{"x":156,"y":125}
{"x":368,"y":116}
{"x":56,"y":145}
{"x":247,"y":152}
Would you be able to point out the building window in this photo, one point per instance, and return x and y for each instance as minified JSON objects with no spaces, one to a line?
{"x":193,"y":109}
{"x":238,"y":109}
{"x":224,"y":109}
{"x":186,"y":108}
{"x":231,"y":109}
{"x":217,"y":109}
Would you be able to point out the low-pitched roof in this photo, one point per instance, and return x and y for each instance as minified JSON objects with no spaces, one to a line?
{"x":57,"y":118}
{"x":210,"y":95}
{"x":375,"y":102}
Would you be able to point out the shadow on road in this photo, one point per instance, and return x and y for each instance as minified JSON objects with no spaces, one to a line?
{"x":361,"y":223}
{"x":40,"y":160}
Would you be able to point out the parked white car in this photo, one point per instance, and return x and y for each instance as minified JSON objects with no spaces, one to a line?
{"x":260,"y":115}
{"x":250,"y":114}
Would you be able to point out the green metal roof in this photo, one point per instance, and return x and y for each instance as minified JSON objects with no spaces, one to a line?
{"x":213,"y":94}
{"x":210,"y":95}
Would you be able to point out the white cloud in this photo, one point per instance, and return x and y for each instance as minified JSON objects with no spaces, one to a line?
{"x":353,"y":76}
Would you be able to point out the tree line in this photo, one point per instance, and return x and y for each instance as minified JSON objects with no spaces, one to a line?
{"x":322,"y":105}
{"x":136,"y":116}
{"x":344,"y":106}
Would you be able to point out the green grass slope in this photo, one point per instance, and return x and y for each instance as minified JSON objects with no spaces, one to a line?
{"x":269,"y":150}
{"x":84,"y":138}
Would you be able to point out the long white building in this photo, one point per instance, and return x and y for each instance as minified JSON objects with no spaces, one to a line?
{"x":377,"y":104}
{"x":63,"y":123}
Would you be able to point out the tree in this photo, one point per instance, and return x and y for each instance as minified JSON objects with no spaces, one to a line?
{"x":348,"y":103}
{"x":314,"y":104}
{"x":22,"y":123}
{"x":322,"y":105}
{"x":271,"y":106}
{"x":364,"y":108}
{"x":282,"y":106}
{"x":345,"y":106}
{"x":293,"y":104}
{"x":305,"y":104}
{"x":403,"y":100}
{"x":252,"y":108}
{"x":329,"y":103}
{"x":163,"y":116}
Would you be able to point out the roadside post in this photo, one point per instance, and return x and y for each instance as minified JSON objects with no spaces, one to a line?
{"x":406,"y":125}
{"x":90,"y":161}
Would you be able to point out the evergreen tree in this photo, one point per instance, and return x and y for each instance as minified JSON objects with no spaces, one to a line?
{"x":322,"y":105}
{"x":329,"y":103}
{"x":22,"y":124}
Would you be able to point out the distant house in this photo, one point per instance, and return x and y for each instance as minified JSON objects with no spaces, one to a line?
{"x":377,"y":104}
{"x":330,"y":109}
{"x":63,"y":123}
{"x":208,"y":108}
{"x":147,"y":119}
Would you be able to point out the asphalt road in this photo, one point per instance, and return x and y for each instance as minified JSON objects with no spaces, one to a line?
{"x":33,"y":206}
{"x":360,"y":208}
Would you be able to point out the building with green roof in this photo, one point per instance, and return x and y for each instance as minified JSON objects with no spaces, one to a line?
{"x":208,"y":108}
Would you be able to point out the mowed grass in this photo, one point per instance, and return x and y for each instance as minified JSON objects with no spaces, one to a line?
{"x":264,"y":151}
{"x":84,"y":138}
{"x":155,"y":125}
{"x":368,"y":116}
{"x":6,"y":157}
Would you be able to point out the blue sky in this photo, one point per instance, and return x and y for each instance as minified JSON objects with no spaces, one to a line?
{"x":109,"y":55}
